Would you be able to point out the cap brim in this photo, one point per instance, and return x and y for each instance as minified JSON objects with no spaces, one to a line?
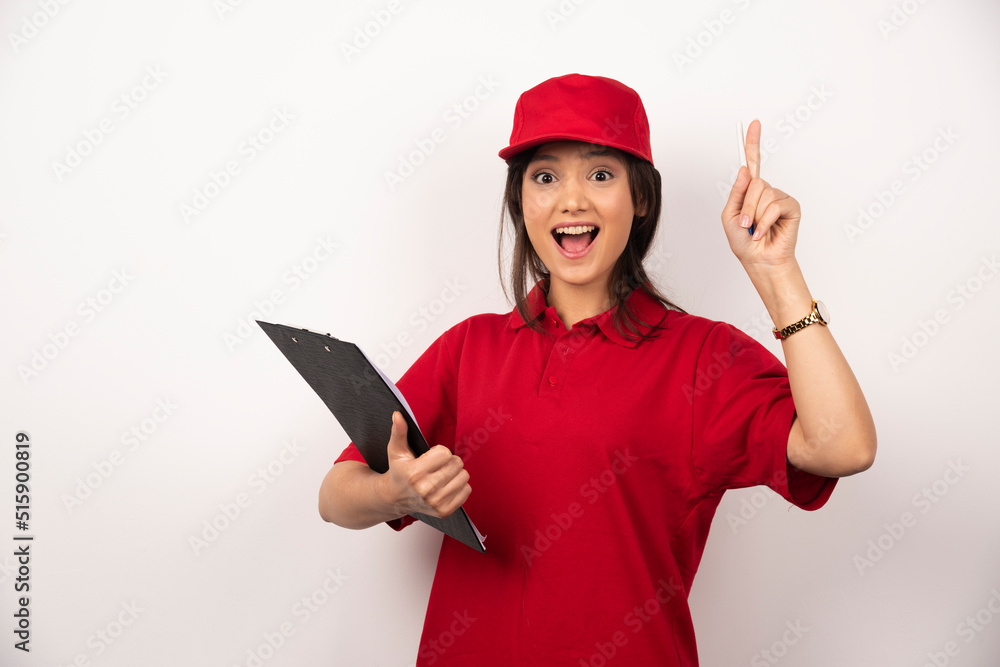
{"x":514,"y":149}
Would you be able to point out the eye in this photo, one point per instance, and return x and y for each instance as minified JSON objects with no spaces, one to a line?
{"x":543,"y":177}
{"x":602,"y":175}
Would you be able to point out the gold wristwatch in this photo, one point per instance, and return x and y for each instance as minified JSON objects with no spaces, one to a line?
{"x":819,"y":314}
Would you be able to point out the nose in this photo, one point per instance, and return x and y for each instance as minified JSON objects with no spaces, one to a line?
{"x":573,"y":196}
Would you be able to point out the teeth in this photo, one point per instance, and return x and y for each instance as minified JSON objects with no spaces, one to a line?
{"x":579,"y":229}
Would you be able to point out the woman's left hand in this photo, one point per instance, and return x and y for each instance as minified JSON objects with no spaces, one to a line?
{"x":753,"y":201}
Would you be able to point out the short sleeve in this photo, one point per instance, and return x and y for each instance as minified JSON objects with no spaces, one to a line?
{"x":429,"y":388}
{"x":742,"y":413}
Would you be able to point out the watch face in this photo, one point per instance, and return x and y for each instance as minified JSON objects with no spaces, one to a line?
{"x":824,"y":314}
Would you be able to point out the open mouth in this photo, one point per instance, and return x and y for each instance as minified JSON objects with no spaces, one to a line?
{"x":575,"y":239}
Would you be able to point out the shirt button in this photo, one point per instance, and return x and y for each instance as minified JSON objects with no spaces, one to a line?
{"x":553,"y":379}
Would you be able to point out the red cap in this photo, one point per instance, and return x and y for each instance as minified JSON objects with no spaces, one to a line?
{"x":594,"y":109}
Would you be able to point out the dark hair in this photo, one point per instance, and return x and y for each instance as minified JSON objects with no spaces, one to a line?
{"x":628,"y":272}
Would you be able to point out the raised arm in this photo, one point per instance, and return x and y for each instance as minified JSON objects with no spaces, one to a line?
{"x":833,"y":433}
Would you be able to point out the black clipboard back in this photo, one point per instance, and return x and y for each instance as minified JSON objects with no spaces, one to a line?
{"x":362,"y":399}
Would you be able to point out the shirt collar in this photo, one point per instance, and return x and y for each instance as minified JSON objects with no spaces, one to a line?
{"x":644,"y":307}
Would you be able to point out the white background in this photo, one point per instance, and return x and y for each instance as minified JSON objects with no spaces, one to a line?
{"x":867,"y":592}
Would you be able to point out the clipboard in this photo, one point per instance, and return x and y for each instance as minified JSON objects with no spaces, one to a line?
{"x":362,"y":399}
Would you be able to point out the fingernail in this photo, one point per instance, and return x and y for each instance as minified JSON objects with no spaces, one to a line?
{"x":745,"y":221}
{"x":757,"y":235}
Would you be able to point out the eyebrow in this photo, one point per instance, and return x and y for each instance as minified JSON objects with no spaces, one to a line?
{"x":597,"y":152}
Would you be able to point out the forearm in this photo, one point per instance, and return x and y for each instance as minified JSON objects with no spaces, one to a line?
{"x":353,"y":495}
{"x":834,"y":434}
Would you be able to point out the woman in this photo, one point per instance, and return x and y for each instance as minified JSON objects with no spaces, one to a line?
{"x":599,"y":424}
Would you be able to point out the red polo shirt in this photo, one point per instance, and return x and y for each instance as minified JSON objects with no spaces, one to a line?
{"x":596,"y":465}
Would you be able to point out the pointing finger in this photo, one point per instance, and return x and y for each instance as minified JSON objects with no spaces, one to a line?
{"x":753,"y":148}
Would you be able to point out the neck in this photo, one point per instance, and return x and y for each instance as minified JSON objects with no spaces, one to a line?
{"x":577,"y":302}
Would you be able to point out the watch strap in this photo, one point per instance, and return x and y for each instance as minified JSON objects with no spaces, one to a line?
{"x":811,"y":318}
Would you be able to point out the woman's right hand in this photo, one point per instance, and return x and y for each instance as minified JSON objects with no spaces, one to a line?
{"x":435,"y":483}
